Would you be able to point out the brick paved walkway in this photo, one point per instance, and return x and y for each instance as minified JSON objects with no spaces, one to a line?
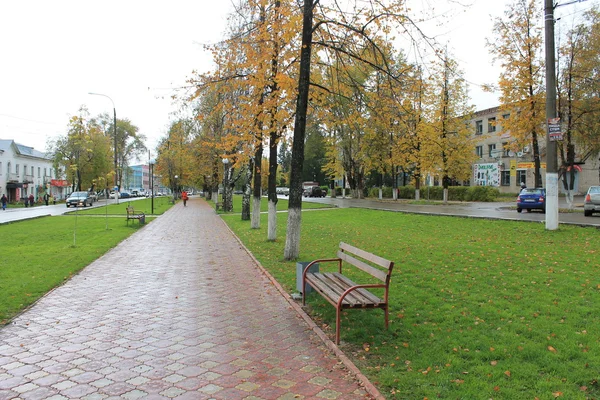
{"x":177,"y":311}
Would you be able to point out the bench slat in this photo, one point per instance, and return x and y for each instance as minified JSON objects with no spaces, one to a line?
{"x":382,"y":276}
{"x":387,"y":264}
{"x":334,"y":285}
{"x":355,"y":298}
{"x":364,"y":292}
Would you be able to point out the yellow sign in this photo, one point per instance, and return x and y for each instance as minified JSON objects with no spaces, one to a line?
{"x":513,"y":168}
{"x":527,"y":165}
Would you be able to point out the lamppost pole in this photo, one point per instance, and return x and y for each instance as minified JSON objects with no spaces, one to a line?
{"x":152,"y":162}
{"x":114,"y":133}
{"x":551,"y":158}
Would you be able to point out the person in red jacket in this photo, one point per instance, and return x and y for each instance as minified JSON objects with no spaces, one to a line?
{"x":184,"y":197}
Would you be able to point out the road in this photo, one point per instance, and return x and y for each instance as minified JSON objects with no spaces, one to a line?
{"x":496,"y":210}
{"x":18,"y":214}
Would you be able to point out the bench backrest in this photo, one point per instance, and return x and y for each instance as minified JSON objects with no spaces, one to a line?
{"x":130,"y":210}
{"x":349,"y":253}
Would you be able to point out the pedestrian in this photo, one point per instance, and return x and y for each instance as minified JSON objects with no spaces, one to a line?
{"x":52,"y":199}
{"x":4,"y":200}
{"x":523,"y":186}
{"x":31,"y":200}
{"x":46,"y":198}
{"x":184,"y":197}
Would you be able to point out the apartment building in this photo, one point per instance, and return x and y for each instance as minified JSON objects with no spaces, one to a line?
{"x":25,"y":171}
{"x":505,"y":169}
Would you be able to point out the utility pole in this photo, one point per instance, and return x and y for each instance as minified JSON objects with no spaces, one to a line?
{"x":551,"y":158}
{"x":553,"y":131}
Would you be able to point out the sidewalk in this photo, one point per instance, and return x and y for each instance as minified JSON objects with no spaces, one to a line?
{"x":179,"y":310}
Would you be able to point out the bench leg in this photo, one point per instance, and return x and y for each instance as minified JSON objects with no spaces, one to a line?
{"x":387,"y":320}
{"x":337,"y":325}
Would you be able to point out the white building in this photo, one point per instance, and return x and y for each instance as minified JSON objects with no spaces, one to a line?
{"x":25,"y":171}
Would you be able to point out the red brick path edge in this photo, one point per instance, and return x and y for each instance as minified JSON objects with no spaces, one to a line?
{"x":364,"y":381}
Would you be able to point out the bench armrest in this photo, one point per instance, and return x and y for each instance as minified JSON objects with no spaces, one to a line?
{"x":365,"y":286}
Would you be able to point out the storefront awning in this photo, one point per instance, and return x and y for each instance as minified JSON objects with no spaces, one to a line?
{"x":14,"y":185}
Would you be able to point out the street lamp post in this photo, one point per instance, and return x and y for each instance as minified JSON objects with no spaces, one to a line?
{"x":226,"y":206}
{"x":175,"y":186}
{"x":114,"y":133}
{"x":152,"y":162}
{"x":551,"y":159}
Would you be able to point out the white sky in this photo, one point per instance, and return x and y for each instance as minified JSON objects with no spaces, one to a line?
{"x":54,"y":52}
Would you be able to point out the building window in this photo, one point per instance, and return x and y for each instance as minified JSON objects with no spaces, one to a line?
{"x":505,"y":116}
{"x":17,"y":169}
{"x":0,"y":168}
{"x":491,"y":150}
{"x":44,"y":172}
{"x":478,"y":127}
{"x":505,"y":178}
{"x":491,"y":124}
{"x":479,"y":151}
{"x":32,"y":169}
{"x":39,"y":172}
{"x":521,"y":174}
{"x":505,"y":150}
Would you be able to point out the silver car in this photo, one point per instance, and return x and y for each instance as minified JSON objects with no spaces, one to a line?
{"x":591,"y":204}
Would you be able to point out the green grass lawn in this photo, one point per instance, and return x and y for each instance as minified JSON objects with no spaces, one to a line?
{"x":282,"y":204}
{"x":480,"y":309}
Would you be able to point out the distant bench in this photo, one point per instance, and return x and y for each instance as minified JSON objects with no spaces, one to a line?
{"x":219,"y":206}
{"x":132,"y":214}
{"x":341,"y":292}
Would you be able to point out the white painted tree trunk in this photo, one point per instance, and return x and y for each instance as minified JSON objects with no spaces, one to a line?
{"x":445,"y":196}
{"x":380,"y":194}
{"x":395,"y":193}
{"x":272,"y":226}
{"x":255,"y":221}
{"x":292,"y":239}
{"x":215,"y":196}
{"x":569,"y":196}
{"x":417,"y":194}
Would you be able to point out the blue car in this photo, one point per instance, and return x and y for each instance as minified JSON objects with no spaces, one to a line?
{"x":532,"y":199}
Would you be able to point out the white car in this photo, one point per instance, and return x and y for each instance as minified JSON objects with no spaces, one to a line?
{"x":282,"y":190}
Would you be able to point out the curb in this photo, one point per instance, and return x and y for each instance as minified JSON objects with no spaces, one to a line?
{"x":364,"y":381}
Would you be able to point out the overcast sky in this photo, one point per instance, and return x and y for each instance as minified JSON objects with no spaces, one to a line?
{"x":55,"y":52}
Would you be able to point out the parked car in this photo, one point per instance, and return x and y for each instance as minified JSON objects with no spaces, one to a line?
{"x":79,"y":199}
{"x":315,"y":191}
{"x":532,"y":199}
{"x":124,"y":195}
{"x":591,"y":203}
{"x":282,"y":190}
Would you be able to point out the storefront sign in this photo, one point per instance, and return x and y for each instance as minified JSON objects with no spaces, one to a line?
{"x":528,"y":165}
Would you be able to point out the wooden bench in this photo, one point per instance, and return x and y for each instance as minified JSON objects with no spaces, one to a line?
{"x":341,"y":292}
{"x":132,"y":214}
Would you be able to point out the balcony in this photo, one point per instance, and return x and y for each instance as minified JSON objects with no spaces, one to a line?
{"x":13,"y":177}
{"x":28,"y":179}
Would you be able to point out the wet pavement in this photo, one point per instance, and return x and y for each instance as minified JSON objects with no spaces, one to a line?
{"x":179,"y":310}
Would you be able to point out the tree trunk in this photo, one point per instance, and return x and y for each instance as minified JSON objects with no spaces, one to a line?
{"x":247,"y":193}
{"x":257,"y":190}
{"x":292,"y":240}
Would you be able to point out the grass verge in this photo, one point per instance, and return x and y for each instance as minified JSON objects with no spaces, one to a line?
{"x":480,"y":309}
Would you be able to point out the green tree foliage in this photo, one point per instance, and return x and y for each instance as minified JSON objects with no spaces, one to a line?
{"x":518,"y":47}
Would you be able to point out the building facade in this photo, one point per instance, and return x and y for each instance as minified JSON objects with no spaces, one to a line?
{"x":506,"y":169}
{"x":25,"y":171}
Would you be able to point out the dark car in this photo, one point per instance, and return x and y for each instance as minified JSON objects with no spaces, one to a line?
{"x":316,"y":191}
{"x":532,"y":199}
{"x":591,"y":203}
{"x":79,"y":199}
